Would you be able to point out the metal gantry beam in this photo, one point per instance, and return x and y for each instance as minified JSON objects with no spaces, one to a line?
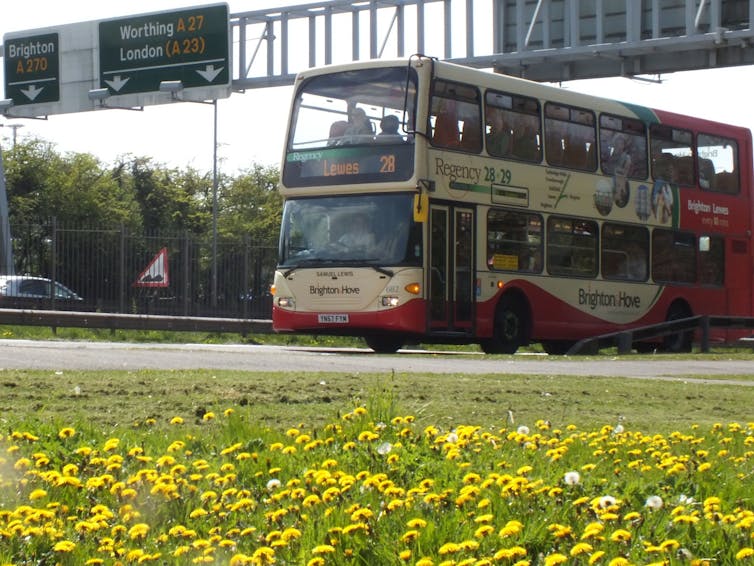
{"x":547,"y":40}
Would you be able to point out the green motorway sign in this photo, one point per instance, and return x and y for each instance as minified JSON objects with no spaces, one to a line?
{"x":32,"y":68}
{"x":189,"y":45}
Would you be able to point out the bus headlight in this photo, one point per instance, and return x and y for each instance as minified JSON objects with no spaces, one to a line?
{"x":286,"y":303}
{"x":389,"y":301}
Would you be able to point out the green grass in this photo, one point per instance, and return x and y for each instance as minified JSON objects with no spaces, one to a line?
{"x":244,"y":468}
{"x":117,"y":398}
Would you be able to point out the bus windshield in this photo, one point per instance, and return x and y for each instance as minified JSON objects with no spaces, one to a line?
{"x":372,"y":230}
{"x":352,"y":127}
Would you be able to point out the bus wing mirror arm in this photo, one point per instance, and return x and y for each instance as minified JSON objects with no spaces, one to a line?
{"x":421,"y":200}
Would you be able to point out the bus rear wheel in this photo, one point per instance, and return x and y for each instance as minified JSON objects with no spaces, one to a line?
{"x":384,"y":344}
{"x":682,"y":341}
{"x":509,"y":330}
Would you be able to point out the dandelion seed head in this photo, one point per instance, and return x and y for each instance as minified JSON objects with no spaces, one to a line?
{"x":572,"y":478}
{"x":384,"y":448}
{"x":654,"y":502}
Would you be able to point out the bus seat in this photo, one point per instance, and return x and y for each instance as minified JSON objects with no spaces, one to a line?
{"x":446,"y":130}
{"x":684,"y":170}
{"x":575,"y":156}
{"x":471,"y":139}
{"x":726,"y":182}
{"x":661,"y":166}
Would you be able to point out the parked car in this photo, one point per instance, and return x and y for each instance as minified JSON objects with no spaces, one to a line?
{"x":33,"y":288}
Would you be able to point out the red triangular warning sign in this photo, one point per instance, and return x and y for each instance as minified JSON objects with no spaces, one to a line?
{"x":156,"y":273}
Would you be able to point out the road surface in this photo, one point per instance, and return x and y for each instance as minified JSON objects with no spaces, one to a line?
{"x":65,"y":355}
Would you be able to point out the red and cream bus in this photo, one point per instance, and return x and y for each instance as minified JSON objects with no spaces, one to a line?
{"x":430,"y":202}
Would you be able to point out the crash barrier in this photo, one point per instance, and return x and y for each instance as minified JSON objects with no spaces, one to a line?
{"x":624,"y":340}
{"x":114,"y":321}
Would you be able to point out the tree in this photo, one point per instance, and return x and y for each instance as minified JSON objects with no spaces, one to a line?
{"x":252,"y":205}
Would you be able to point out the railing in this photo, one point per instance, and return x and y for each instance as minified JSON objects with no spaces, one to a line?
{"x":112,"y":321}
{"x":103,"y":267}
{"x":623,"y":340}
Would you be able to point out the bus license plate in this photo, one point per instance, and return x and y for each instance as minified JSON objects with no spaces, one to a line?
{"x":332,"y":318}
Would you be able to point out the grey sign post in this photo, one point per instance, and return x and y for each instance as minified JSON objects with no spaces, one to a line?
{"x":192,"y":46}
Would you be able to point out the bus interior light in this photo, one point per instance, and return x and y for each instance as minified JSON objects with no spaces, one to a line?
{"x":413,"y":288}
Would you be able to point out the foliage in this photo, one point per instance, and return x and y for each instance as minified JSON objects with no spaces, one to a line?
{"x":219,"y":487}
{"x":77,"y":189}
{"x":73,"y":188}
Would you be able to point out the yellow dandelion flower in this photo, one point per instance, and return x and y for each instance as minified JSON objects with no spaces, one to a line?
{"x":405,"y":555}
{"x":410,"y":536}
{"x":670,"y":544}
{"x":620,"y":535}
{"x":449,"y":548}
{"x":510,"y":553}
{"x":64,"y":546}
{"x":416,"y":523}
{"x":620,"y":561}
{"x":208,"y":416}
{"x":483,"y":531}
{"x":745,"y":553}
{"x":263,"y":555}
{"x":555,"y":559}
{"x":138,"y":531}
{"x":511,"y":528}
{"x":37,"y":494}
{"x":323,"y":549}
{"x":596,"y":557}
{"x":66,"y":432}
{"x":581,"y":548}
{"x":316,"y":562}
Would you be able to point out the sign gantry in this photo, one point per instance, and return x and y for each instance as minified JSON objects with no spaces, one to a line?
{"x":118,"y":63}
{"x":137,"y":53}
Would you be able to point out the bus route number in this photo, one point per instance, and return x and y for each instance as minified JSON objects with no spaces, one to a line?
{"x":387,"y":163}
{"x":501,"y":176}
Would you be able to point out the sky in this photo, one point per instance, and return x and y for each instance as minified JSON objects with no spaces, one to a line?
{"x":251,"y":125}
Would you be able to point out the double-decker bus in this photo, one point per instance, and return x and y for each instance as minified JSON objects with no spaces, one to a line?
{"x":431,"y":202}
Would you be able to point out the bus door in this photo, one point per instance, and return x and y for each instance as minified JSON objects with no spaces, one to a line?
{"x":451,"y":260}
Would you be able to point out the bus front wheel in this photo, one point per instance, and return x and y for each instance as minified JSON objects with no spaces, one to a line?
{"x":509,"y":331}
{"x":384,"y":344}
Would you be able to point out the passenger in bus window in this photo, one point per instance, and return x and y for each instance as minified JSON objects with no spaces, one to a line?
{"x":636,"y":262}
{"x":389,"y":125}
{"x":499,"y":138}
{"x":359,"y":126}
{"x":525,"y":138}
{"x":618,"y":160}
{"x":337,"y":131}
{"x":357,"y":233}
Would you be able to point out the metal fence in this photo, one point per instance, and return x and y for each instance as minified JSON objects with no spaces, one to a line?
{"x":104,"y":267}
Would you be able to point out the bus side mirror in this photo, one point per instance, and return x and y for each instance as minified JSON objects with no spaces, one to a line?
{"x":421,"y":207}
